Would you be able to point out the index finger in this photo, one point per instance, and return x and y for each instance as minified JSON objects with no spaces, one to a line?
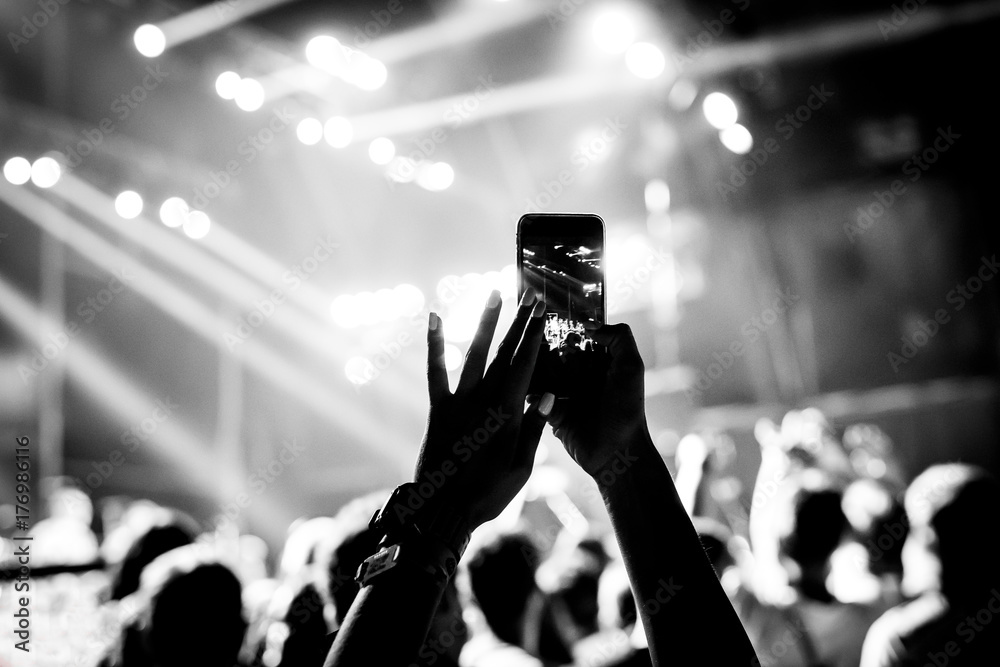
{"x":523,"y":363}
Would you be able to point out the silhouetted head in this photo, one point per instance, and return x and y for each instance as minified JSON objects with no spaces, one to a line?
{"x":195,"y":611}
{"x":817,"y":526}
{"x":952,"y":510}
{"x":147,"y":547}
{"x":502,"y":579}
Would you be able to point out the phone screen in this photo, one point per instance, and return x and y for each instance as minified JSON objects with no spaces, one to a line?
{"x":561,"y":258}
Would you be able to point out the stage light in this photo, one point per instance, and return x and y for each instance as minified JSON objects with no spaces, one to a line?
{"x":128,"y":204}
{"x":657,"y":196}
{"x":309,"y":131}
{"x":682,"y":94}
{"x":249,"y":94}
{"x":381,"y":150}
{"x":45,"y":172}
{"x":227,"y":85}
{"x":360,"y":370}
{"x":367,"y":73}
{"x":197,"y":224}
{"x":452,"y":357}
{"x":614,"y":30}
{"x":645,"y":60}
{"x":720,"y":110}
{"x":174,"y":212}
{"x":407,"y":300}
{"x":436,"y":177}
{"x":338,"y":131}
{"x":737,"y":139}
{"x":325,"y":53}
{"x":150,"y":40}
{"x":344,"y":311}
{"x":17,"y":170}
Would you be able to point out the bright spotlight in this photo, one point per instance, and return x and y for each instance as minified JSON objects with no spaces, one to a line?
{"x":227,"y":85}
{"x":720,"y":110}
{"x":338,"y":131}
{"x":197,"y":224}
{"x":309,"y":131}
{"x":128,"y":204}
{"x":657,"y":196}
{"x":150,"y":40}
{"x":737,"y":139}
{"x":368,"y":73}
{"x":174,"y":212}
{"x":436,"y":177}
{"x":45,"y":172}
{"x":325,"y":52}
{"x":614,"y":30}
{"x":645,"y":60}
{"x":344,"y":311}
{"x":17,"y":170}
{"x":381,"y":150}
{"x":249,"y":94}
{"x":407,"y":300}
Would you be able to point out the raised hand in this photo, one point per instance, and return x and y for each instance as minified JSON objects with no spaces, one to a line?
{"x":607,"y":413}
{"x":480,"y":442}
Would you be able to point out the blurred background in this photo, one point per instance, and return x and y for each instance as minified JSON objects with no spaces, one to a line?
{"x":222,"y":226}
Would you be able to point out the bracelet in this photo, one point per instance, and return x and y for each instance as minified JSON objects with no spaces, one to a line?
{"x":419,"y":556}
{"x":399,"y":521}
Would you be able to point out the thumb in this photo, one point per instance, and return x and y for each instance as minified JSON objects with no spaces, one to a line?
{"x":532,"y":425}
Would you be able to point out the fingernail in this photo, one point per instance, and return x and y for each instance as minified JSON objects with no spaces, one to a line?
{"x":494,"y":299}
{"x":528,"y":297}
{"x":538,"y":309}
{"x":545,"y":405}
{"x":432,"y":321}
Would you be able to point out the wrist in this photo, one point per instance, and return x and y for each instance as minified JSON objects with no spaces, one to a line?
{"x":631,"y":455}
{"x":413,"y":558}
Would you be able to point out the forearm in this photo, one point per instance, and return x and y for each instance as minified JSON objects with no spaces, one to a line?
{"x":388,"y":621}
{"x":682,"y":605}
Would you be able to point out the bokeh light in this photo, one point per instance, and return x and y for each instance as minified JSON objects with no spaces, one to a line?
{"x":720,"y":110}
{"x":381,"y":150}
{"x":174,"y":212}
{"x":197,"y":224}
{"x":150,"y":40}
{"x":17,"y":170}
{"x":249,"y":94}
{"x":737,"y":139}
{"x":309,"y":131}
{"x":645,"y":60}
{"x":128,"y":204}
{"x":338,"y":132}
{"x":45,"y":172}
{"x":227,"y":85}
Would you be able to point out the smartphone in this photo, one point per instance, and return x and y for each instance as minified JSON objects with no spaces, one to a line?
{"x":561,"y":257}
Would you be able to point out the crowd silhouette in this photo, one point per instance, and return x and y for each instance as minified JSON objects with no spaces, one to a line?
{"x":834,"y":558}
